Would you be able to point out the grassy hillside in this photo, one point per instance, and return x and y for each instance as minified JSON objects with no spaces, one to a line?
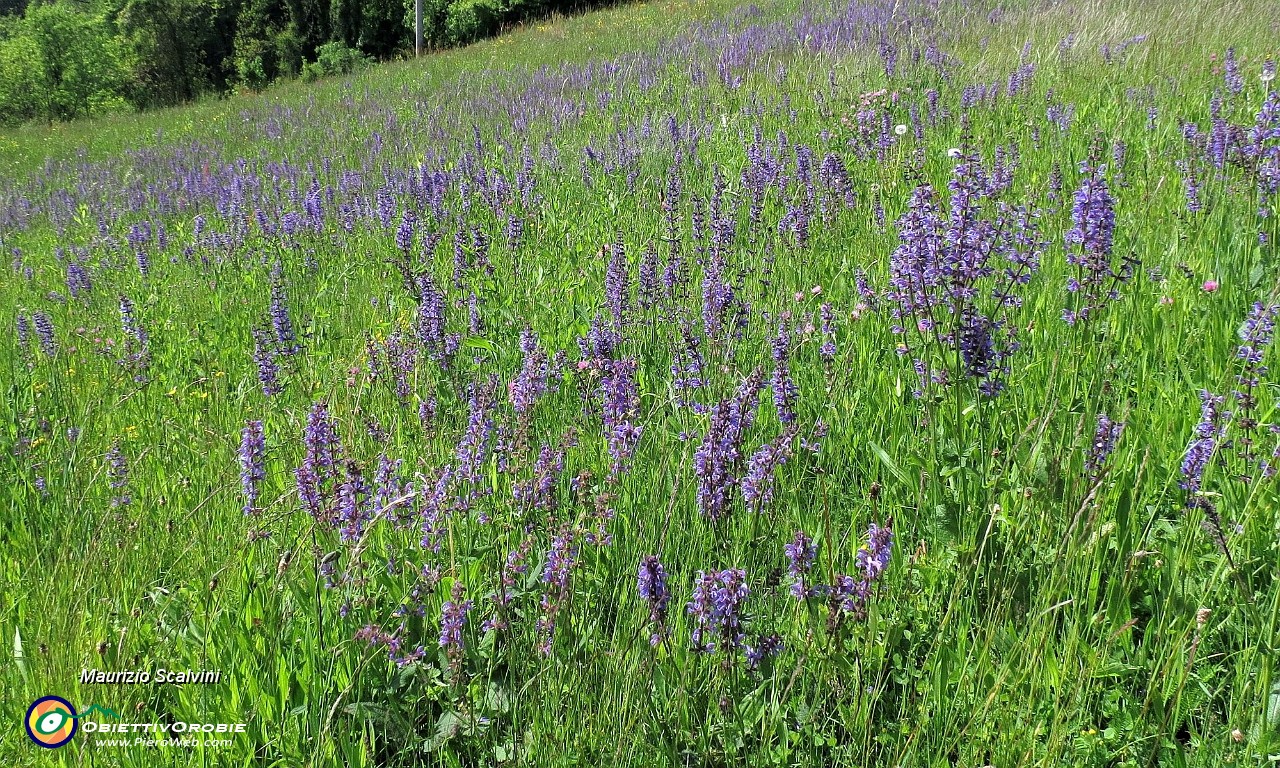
{"x":678,"y":384}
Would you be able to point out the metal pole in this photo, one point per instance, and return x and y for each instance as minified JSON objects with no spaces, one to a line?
{"x":417,"y":27}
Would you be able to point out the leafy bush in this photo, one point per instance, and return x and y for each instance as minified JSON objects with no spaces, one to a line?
{"x":470,"y":20}
{"x":60,"y":63}
{"x":334,"y":59}
{"x":21,"y":80}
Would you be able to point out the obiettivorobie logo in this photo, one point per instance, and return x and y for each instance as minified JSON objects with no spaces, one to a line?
{"x":52,"y":721}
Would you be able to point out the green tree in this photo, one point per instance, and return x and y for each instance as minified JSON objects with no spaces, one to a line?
{"x":22,"y":83}
{"x":60,"y":63}
{"x":178,"y":49}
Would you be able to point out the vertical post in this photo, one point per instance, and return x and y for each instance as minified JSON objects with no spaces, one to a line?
{"x":417,"y":27}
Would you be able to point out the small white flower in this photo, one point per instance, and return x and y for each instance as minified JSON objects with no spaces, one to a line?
{"x":901,"y":129}
{"x":953,"y":153}
{"x":724,"y":121}
{"x":1267,"y":76}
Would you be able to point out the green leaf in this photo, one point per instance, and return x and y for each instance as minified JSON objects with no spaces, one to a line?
{"x":888,"y":462}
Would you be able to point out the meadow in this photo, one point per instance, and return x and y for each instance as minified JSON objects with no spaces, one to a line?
{"x":784,"y":384}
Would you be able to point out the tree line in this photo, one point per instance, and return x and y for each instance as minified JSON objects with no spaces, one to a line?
{"x":63,"y":59}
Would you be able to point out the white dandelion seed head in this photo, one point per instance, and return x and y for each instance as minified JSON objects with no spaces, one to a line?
{"x":901,"y":129}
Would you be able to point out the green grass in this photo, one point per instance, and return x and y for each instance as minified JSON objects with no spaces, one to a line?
{"x":1030,"y":616}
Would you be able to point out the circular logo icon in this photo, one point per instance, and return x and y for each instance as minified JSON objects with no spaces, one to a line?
{"x":51,"y":721}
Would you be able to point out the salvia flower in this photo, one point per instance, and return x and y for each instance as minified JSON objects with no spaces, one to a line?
{"x":1231,"y":73}
{"x":476,"y":443}
{"x":266,"y":357}
{"x":44,"y":332}
{"x":281,"y":320}
{"x":1204,"y":442}
{"x":1090,"y":242}
{"x":453,"y":620}
{"x":539,"y":492}
{"x":849,"y":595}
{"x":1105,"y":436}
{"x":758,"y":483}
{"x":252,"y":470}
{"x":534,"y":378}
{"x":118,"y":475}
{"x":765,"y":648}
{"x":784,"y":388}
{"x":1256,"y":335}
{"x":621,"y":405}
{"x":320,"y":460}
{"x":137,"y":347}
{"x":617,"y":285}
{"x":716,"y":607}
{"x":802,"y":553}
{"x":24,"y":334}
{"x":948,"y":294}
{"x":652,"y":586}
{"x":717,"y":461}
{"x":828,"y":349}
{"x":353,"y":504}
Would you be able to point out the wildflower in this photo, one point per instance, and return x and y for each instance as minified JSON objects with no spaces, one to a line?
{"x":801,"y":553}
{"x":24,"y":334}
{"x":137,"y":345}
{"x":561,"y":559}
{"x":652,"y":585}
{"x":388,"y":486}
{"x":620,"y":410}
{"x":1093,"y":235}
{"x":320,"y":459}
{"x":849,"y":595}
{"x":716,"y":607}
{"x":617,"y":285}
{"x":430,"y":322}
{"x":44,"y":332}
{"x":717,"y":460}
{"x":475,"y":444}
{"x":539,"y":492}
{"x":758,"y":483}
{"x":1256,"y":335}
{"x":873,"y":559}
{"x":1105,"y":436}
{"x":784,"y":388}
{"x":118,"y":474}
{"x":828,"y":349}
{"x":252,"y":471}
{"x":1231,"y":73}
{"x":533,"y":380}
{"x":765,"y":648}
{"x":1191,"y":187}
{"x":407,"y":231}
{"x":900,"y":129}
{"x":1210,"y":429}
{"x":265,"y":355}
{"x":353,"y":504}
{"x":281,"y":321}
{"x":453,"y":619}
{"x":1210,"y":286}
